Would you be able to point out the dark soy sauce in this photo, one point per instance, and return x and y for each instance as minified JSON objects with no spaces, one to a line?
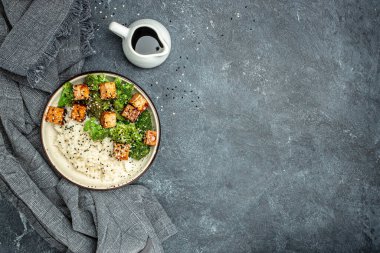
{"x":145,"y":41}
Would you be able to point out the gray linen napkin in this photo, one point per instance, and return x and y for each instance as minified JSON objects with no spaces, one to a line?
{"x":43,"y":43}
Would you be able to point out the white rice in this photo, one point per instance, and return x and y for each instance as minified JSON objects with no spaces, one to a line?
{"x":92,"y":158}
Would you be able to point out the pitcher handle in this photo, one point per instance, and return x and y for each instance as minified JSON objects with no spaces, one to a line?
{"x":119,"y":29}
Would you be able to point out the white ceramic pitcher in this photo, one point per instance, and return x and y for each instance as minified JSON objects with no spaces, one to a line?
{"x":144,"y":60}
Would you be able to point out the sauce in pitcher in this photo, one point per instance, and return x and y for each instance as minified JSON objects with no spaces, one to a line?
{"x":145,"y":41}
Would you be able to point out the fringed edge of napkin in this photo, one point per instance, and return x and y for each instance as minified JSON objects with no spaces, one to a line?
{"x":81,"y":9}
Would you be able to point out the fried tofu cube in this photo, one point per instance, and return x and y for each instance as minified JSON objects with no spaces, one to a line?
{"x":150,"y":138}
{"x":139,"y":102}
{"x":81,"y":92}
{"x":55,"y":115}
{"x":108,"y":119}
{"x":107,"y":90}
{"x":78,"y":112}
{"x":130,"y":113}
{"x":121,"y":151}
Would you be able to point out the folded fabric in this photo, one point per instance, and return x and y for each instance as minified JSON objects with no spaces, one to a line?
{"x":43,"y":43}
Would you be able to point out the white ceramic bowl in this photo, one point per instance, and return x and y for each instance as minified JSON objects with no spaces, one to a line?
{"x":63,"y":165}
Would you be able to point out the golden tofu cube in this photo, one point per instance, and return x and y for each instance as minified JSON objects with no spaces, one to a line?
{"x":108,"y":119}
{"x":130,"y":113}
{"x":78,"y":112}
{"x":139,"y":102}
{"x":81,"y":92}
{"x":121,"y":151}
{"x":107,"y":90}
{"x":55,"y":115}
{"x":150,"y":138}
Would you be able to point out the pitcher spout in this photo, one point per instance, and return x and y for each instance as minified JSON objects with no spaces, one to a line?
{"x":165,"y":48}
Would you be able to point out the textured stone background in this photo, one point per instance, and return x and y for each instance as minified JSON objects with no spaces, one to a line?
{"x":270,"y":114}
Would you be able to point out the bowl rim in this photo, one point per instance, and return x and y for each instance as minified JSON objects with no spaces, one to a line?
{"x":43,"y":144}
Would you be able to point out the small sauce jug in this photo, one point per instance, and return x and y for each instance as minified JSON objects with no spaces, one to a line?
{"x":146,"y":42}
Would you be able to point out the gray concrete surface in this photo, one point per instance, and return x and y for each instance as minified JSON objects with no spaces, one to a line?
{"x":270,"y":116}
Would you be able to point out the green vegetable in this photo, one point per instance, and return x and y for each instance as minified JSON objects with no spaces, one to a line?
{"x":67,"y":95}
{"x":124,"y":94}
{"x":139,"y":150}
{"x":96,"y":105}
{"x":125,"y":133}
{"x":121,"y":119}
{"x":144,"y":122}
{"x":118,"y":82}
{"x":95,"y":130}
{"x":93,"y":81}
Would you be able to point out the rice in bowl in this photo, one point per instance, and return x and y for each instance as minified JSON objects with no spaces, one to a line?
{"x":93,"y":158}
